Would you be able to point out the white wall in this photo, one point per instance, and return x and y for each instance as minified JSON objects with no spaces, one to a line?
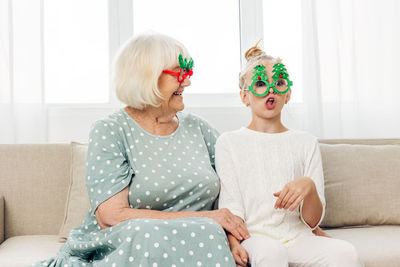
{"x":73,"y":124}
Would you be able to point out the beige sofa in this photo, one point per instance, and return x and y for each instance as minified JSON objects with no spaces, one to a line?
{"x":42,"y":196}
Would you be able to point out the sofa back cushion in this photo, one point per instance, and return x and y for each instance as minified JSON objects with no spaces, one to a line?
{"x":362,"y":183}
{"x":34,"y":180}
{"x":78,"y":204}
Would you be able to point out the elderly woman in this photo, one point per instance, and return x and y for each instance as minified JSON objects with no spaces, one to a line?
{"x":150,"y":172}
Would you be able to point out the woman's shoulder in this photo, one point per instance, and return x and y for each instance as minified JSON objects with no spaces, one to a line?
{"x":188,"y":117}
{"x":110,"y":124}
{"x":190,"y":120}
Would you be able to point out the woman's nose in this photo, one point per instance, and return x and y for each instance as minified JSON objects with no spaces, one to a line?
{"x":186,"y":82}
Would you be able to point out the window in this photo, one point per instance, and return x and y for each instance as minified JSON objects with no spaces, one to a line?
{"x":76,"y":51}
{"x":4,"y":54}
{"x":283,"y":38}
{"x":62,"y":56}
{"x":25,"y":51}
{"x":210,"y":31}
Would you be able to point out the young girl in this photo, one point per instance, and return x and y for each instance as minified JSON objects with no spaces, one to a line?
{"x":272,"y":178}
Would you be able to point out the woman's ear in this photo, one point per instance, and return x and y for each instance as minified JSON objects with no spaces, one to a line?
{"x":245,"y":97}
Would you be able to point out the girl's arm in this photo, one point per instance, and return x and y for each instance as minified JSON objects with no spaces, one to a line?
{"x":301,"y":190}
{"x":313,"y":207}
{"x":311,"y":210}
{"x":307,"y":191}
{"x":239,"y":253}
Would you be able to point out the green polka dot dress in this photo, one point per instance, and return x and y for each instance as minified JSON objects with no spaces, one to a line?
{"x":166,"y":173}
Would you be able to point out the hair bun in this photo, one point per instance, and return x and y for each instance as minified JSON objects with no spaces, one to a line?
{"x":253,"y":52}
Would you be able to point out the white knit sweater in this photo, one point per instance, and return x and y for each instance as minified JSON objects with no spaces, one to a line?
{"x":253,"y":165}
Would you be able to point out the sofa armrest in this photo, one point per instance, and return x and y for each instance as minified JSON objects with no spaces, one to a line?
{"x":1,"y":219}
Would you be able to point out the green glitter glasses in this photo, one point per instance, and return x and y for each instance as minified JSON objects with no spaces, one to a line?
{"x":260,"y":85}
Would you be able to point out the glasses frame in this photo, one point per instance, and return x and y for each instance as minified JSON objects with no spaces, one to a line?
{"x":178,"y":74}
{"x":269,"y":85}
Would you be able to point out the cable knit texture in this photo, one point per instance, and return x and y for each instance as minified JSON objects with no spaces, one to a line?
{"x":253,"y":165}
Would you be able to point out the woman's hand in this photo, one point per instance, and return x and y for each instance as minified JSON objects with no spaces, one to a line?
{"x":231,"y":223}
{"x":240,"y":255}
{"x":293,"y":193}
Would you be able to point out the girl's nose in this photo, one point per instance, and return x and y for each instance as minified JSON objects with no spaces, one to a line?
{"x":271,"y":90}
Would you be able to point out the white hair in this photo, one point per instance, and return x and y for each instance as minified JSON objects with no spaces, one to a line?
{"x":138,"y":65}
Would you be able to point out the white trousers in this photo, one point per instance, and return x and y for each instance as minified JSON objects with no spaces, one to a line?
{"x":305,"y":251}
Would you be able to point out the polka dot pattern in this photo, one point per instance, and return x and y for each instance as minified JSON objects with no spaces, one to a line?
{"x":166,"y":173}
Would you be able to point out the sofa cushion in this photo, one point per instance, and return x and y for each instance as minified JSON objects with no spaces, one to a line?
{"x":377,"y":246}
{"x":362,"y":184}
{"x":22,"y":251}
{"x":34,"y":180}
{"x":78,"y":204}
{"x":1,"y":219}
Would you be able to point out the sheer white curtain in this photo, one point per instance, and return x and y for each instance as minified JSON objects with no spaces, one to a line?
{"x":350,"y":63}
{"x":52,"y":57}
{"x":351,"y":66}
{"x":22,"y":111}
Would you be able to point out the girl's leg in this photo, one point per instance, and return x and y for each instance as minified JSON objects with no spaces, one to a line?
{"x":322,"y":251}
{"x":265,"y":252}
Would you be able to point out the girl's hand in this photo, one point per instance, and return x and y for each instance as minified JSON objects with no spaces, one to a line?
{"x":319,"y":232}
{"x":231,"y":223}
{"x":293,"y":193}
{"x":240,"y":255}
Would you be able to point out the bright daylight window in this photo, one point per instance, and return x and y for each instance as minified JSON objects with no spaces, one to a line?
{"x":283,"y":38}
{"x":76,"y":51}
{"x":210,"y":31}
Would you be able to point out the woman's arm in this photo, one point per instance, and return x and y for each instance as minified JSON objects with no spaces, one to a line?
{"x":116,"y":210}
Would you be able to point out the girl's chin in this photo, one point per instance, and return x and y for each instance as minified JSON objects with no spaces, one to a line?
{"x":268,"y":114}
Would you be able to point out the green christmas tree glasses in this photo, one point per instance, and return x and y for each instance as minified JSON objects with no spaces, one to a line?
{"x":260,"y":85}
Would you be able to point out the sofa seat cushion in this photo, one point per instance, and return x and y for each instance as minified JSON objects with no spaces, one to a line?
{"x":377,"y":246}
{"x":24,"y":250}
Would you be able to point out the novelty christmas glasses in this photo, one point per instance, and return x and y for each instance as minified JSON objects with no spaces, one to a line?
{"x":260,"y":85}
{"x":185,"y":70}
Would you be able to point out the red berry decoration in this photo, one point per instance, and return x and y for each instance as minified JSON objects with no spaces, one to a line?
{"x":259,"y":78}
{"x":280,"y":76}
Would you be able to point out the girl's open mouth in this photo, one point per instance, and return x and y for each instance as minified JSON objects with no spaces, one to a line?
{"x":271,"y":102}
